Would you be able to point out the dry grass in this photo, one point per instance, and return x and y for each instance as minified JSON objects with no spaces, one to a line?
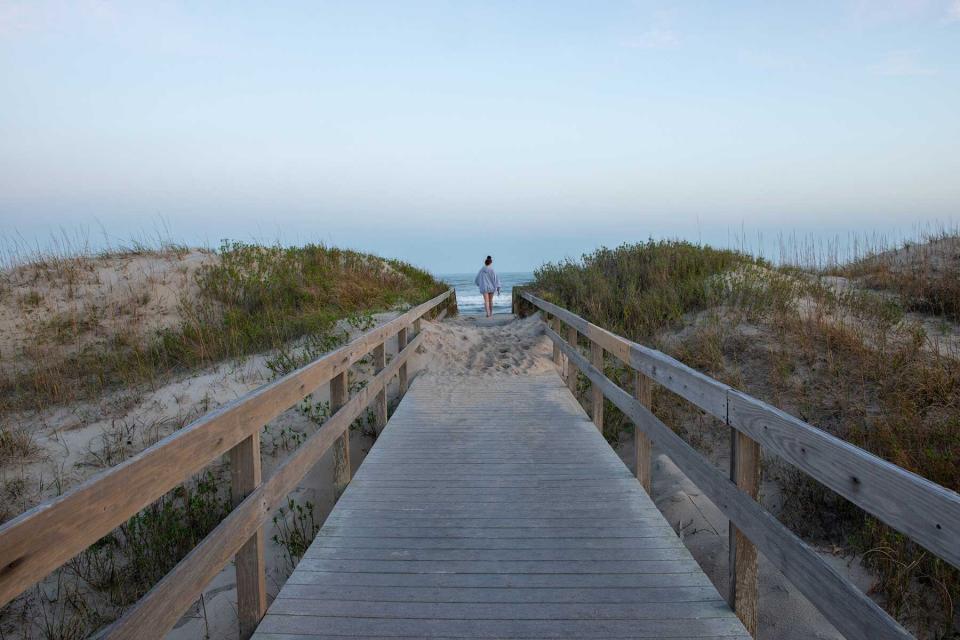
{"x":193,"y":310}
{"x":844,"y":358}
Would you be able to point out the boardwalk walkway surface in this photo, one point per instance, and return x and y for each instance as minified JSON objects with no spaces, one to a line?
{"x":491,"y":507}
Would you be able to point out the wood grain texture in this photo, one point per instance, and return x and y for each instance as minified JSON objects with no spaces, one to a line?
{"x":245,"y":474}
{"x":402,"y":374}
{"x":922,"y":510}
{"x":43,"y":538}
{"x":463,"y":522}
{"x":643,"y":447}
{"x":853,"y":613}
{"x":926,"y":512}
{"x":571,"y":369}
{"x":745,"y":585}
{"x":380,"y":404}
{"x":339,"y":395}
{"x":555,"y":323}
{"x":159,"y":610}
{"x":596,"y":395}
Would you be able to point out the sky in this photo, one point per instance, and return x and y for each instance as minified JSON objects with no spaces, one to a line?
{"x":440,"y":132}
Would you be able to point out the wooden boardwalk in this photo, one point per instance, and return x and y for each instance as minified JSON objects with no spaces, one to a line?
{"x":491,"y":507}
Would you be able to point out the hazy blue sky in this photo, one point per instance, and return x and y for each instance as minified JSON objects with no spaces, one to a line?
{"x":443,"y":131}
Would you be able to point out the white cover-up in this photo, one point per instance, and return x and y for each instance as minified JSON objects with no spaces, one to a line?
{"x":488,"y":280}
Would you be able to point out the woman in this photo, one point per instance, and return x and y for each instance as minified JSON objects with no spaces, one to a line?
{"x":488,"y":281}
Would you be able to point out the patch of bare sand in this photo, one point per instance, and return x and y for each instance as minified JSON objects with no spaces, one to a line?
{"x":475,"y":346}
{"x":53,"y":309}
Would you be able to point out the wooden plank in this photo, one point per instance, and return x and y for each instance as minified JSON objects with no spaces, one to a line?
{"x":156,"y":613}
{"x":745,"y":585}
{"x":402,"y":375}
{"x":924,"y":511}
{"x":596,"y":359}
{"x":447,"y":581}
{"x":342,"y":472}
{"x":854,"y":614}
{"x":501,"y":594}
{"x":462,"y":492}
{"x":555,"y":323}
{"x":571,"y":369}
{"x":429,"y":628}
{"x":43,"y":538}
{"x":380,"y":404}
{"x":250,"y":568}
{"x":680,"y":612}
{"x":643,"y":447}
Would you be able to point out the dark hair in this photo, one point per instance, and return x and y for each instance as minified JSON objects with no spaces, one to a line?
{"x":488,"y":260}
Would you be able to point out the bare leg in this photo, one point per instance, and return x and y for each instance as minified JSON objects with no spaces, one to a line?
{"x":488,"y":304}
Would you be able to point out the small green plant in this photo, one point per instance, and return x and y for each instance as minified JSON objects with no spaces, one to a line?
{"x":296,"y":528}
{"x":361,"y":321}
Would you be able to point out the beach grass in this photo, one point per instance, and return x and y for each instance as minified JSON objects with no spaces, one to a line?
{"x":848,"y":348}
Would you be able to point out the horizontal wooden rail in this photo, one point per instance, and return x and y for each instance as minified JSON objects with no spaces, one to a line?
{"x":852,"y":612}
{"x":160,"y":609}
{"x":925,"y":511}
{"x":701,"y":390}
{"x":40,"y":540}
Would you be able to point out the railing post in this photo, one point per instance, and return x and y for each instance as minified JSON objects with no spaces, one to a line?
{"x":380,"y":404}
{"x":557,"y":354}
{"x":643,"y":391}
{"x":596,"y":359}
{"x":402,"y":374}
{"x":572,"y":368}
{"x":416,"y":327}
{"x":339,"y":394}
{"x":744,"y":595}
{"x":249,"y":563}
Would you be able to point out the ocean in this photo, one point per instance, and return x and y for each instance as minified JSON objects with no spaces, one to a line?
{"x":469,"y":300}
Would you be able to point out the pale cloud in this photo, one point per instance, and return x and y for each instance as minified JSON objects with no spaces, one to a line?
{"x":953,"y":11}
{"x":654,"y":39}
{"x":904,"y":64}
{"x":39,"y":16}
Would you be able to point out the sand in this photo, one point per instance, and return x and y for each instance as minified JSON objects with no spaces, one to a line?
{"x":52,"y":309}
{"x":492,"y":347}
{"x":75,"y":441}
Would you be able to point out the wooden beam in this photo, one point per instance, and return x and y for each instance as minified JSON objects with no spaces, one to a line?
{"x":745,"y":576}
{"x":249,"y":563}
{"x":596,"y":395}
{"x":701,"y":390}
{"x":922,"y":510}
{"x":571,"y":368}
{"x":852,"y":612}
{"x":380,"y":404}
{"x":643,"y":392}
{"x":402,"y":375}
{"x":555,"y":323}
{"x":339,"y":395}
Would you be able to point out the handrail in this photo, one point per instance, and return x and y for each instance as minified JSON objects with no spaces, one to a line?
{"x":926,"y":512}
{"x":42,"y":539}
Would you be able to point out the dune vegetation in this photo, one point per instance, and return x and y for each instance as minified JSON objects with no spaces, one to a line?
{"x":82,"y":330}
{"x":103,"y":354}
{"x":868,"y":350}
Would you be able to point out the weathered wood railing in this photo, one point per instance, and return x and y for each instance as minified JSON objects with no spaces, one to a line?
{"x":45,"y":537}
{"x":926,"y":512}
